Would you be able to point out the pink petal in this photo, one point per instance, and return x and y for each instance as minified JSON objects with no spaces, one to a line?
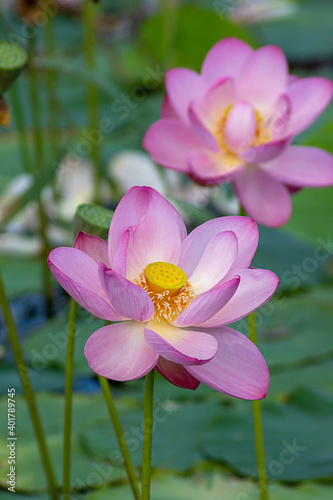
{"x":226,"y":58}
{"x":238,"y":368}
{"x":93,"y":246}
{"x":210,"y":169}
{"x":156,"y":230}
{"x":179,"y":345}
{"x":208,"y":304}
{"x":128,"y":299}
{"x":279,"y":117}
{"x":176,"y":374}
{"x":256,"y":287}
{"x":263,"y":78}
{"x":77,"y":273}
{"x":201,"y":132}
{"x":167,"y":110}
{"x":264,"y":198}
{"x":309,"y":97}
{"x":196,"y":242}
{"x":302,"y":166}
{"x":120,"y":352}
{"x":169,"y":141}
{"x":240,"y":127}
{"x":264,"y":152}
{"x":215,"y":262}
{"x":184,"y":86}
{"x":119,"y":261}
{"x":212,"y":106}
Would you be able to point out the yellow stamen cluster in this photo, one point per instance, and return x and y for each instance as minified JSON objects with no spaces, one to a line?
{"x":262,"y":136}
{"x":170,"y":293}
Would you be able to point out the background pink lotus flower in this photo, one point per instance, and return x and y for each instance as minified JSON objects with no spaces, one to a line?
{"x":236,"y":121}
{"x":171,"y":295}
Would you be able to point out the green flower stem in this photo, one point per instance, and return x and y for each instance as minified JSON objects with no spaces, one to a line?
{"x":29,"y":394}
{"x":120,"y":436}
{"x":51,"y":85}
{"x":92,"y":94}
{"x":68,"y":401}
{"x":21,"y":128}
{"x":39,"y":162}
{"x":147,"y":435}
{"x":259,"y":438}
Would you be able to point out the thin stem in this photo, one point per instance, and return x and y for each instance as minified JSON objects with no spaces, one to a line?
{"x":51,"y":85}
{"x":147,"y":435}
{"x":92,"y":94}
{"x":120,"y":437}
{"x":68,"y":401}
{"x":39,"y":162}
{"x":21,"y":128}
{"x":259,"y":438}
{"x":29,"y":394}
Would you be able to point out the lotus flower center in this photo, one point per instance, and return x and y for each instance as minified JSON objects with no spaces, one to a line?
{"x":162,"y":277}
{"x":262,"y":136}
{"x":168,"y":288}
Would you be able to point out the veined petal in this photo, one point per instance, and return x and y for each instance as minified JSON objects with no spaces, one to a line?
{"x":263,"y":78}
{"x":225,"y":58}
{"x":208,"y":304}
{"x":93,"y":246}
{"x":77,"y":273}
{"x":263,"y":197}
{"x":309,"y":97}
{"x":183,"y":86}
{"x":256,"y":287}
{"x":240,"y":126}
{"x":128,"y":299}
{"x":120,"y":352}
{"x":215,"y":262}
{"x":179,"y":345}
{"x":210,"y":169}
{"x":176,"y":374}
{"x":169,"y":141}
{"x":194,"y":244}
{"x":238,"y":368}
{"x":302,"y":166}
{"x":156,"y":230}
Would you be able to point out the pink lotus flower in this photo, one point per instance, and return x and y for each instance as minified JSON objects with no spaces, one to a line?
{"x":236,"y":121}
{"x":171,"y":296}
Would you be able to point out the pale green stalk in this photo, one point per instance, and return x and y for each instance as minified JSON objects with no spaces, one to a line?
{"x":147,"y":435}
{"x":92,"y":94}
{"x":51,"y":85}
{"x":68,"y":402}
{"x":120,"y":437}
{"x":29,"y":394}
{"x":39,"y":165}
{"x":258,"y":433}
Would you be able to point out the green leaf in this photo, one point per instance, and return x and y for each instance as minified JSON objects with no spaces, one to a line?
{"x":297,"y":436}
{"x":312,"y":217}
{"x":304,"y":36}
{"x":85,"y":471}
{"x":47,"y":346}
{"x":196,"y":31}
